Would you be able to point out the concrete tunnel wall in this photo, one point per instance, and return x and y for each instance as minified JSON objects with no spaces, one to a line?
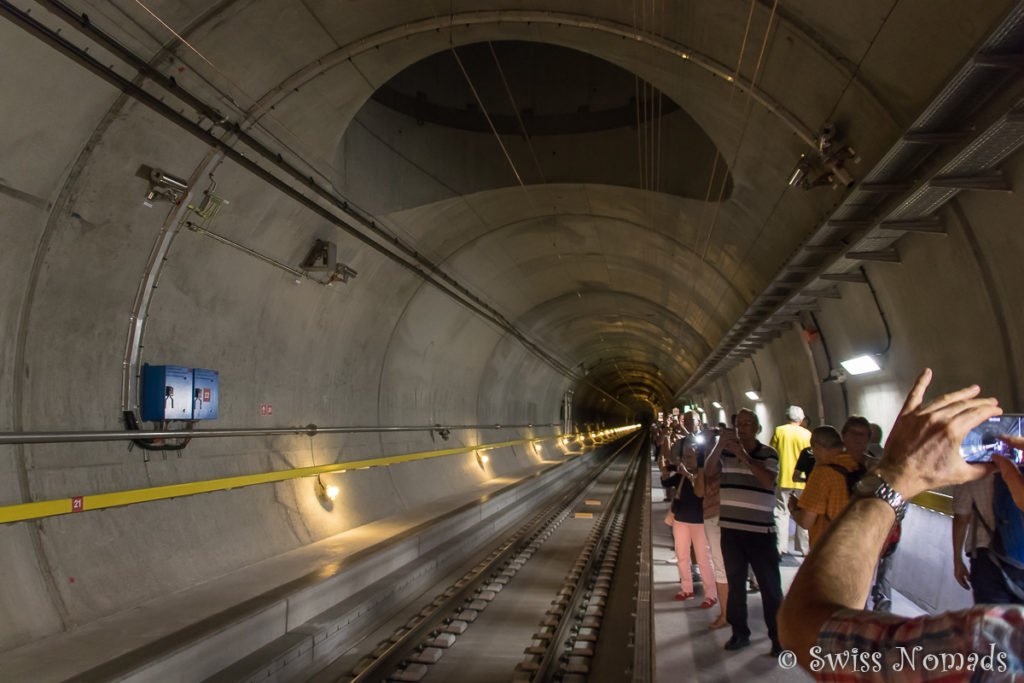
{"x":947,"y":305}
{"x":384,"y":348}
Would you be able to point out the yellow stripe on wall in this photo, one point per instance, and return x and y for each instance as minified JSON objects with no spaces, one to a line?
{"x":63,"y":506}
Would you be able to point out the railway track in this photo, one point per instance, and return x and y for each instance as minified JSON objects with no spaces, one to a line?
{"x":547,"y":601}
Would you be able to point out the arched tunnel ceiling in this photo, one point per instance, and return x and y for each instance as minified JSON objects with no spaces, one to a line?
{"x":564,"y":115}
{"x":640,"y":243}
{"x":592,"y":256}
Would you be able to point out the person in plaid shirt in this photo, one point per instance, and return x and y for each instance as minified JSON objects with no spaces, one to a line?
{"x":819,"y":620}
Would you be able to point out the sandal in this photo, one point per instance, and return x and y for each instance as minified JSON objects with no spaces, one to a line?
{"x":709,"y":603}
{"x":718,"y":623}
{"x":683,"y":596}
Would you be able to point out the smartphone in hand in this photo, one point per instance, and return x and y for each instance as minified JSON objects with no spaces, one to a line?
{"x":982,"y":441}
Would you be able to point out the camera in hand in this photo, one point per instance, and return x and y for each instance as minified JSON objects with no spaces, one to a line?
{"x":982,"y":441}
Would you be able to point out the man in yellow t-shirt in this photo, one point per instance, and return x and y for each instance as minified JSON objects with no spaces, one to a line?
{"x":789,"y":439}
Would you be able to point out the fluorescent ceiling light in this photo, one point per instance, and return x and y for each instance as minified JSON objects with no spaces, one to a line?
{"x":752,"y":395}
{"x":716,"y":404}
{"x":861,"y":365}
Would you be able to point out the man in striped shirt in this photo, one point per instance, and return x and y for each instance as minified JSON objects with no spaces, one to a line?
{"x":747,"y":493}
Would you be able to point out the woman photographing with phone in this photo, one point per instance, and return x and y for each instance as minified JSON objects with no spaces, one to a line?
{"x":688,"y":525}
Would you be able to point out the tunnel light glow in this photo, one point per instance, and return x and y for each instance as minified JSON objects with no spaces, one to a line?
{"x":484,"y":458}
{"x":332,"y":492}
{"x":752,"y":395}
{"x":716,"y":404}
{"x":536,"y":447}
{"x":861,"y":365}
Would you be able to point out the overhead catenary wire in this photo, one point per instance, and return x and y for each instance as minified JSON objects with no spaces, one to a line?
{"x":374,"y":223}
{"x":417,"y":263}
{"x":515,"y":110}
{"x":433,"y":274}
{"x":743,"y":129}
{"x":256,"y":105}
{"x":739,"y":145}
{"x":692,"y":289}
{"x":483,"y":110}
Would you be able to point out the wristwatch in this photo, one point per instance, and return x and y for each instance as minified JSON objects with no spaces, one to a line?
{"x":873,"y":486}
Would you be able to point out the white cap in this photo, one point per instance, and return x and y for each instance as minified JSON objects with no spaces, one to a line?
{"x":795,"y":413}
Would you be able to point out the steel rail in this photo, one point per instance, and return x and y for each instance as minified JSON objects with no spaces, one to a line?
{"x":624,"y":647}
{"x":384,"y":666}
{"x":550,"y":665}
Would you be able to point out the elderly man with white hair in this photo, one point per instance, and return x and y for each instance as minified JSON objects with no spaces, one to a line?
{"x":789,"y":439}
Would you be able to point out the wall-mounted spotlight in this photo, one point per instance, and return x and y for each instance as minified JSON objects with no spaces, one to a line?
{"x":752,"y":395}
{"x":323,"y":257}
{"x":482,"y":458}
{"x":536,"y":447}
{"x":328,"y":491}
{"x":861,"y":365}
{"x":798,"y":177}
{"x":716,"y":404}
{"x":165,"y":186}
{"x":827,"y":167}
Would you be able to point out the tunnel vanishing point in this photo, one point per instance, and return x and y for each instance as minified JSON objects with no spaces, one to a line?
{"x":419,"y":252}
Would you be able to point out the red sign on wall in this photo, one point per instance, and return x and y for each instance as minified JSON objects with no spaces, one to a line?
{"x":77,"y":504}
{"x":266,"y":409}
{"x":206,"y":395}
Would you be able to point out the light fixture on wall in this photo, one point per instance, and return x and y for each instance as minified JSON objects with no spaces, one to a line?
{"x":328,"y":491}
{"x":165,"y":186}
{"x":716,"y":404}
{"x":482,"y":458}
{"x":753,"y":396}
{"x":861,"y":365}
{"x":868,"y":363}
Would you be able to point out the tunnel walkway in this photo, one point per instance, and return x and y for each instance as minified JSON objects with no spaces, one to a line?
{"x":685,"y":649}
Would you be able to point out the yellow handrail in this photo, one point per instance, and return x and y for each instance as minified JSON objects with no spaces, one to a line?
{"x":935,"y":500}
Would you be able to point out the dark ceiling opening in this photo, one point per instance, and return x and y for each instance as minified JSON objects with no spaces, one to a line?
{"x":565,"y":116}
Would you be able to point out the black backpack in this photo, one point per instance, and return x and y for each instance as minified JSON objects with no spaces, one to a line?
{"x":851,"y":476}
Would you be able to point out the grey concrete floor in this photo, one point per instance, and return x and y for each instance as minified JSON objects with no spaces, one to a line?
{"x":492,"y":647}
{"x":494,"y":643}
{"x":685,"y":649}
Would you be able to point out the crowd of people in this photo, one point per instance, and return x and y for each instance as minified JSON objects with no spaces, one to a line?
{"x":732,"y":497}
